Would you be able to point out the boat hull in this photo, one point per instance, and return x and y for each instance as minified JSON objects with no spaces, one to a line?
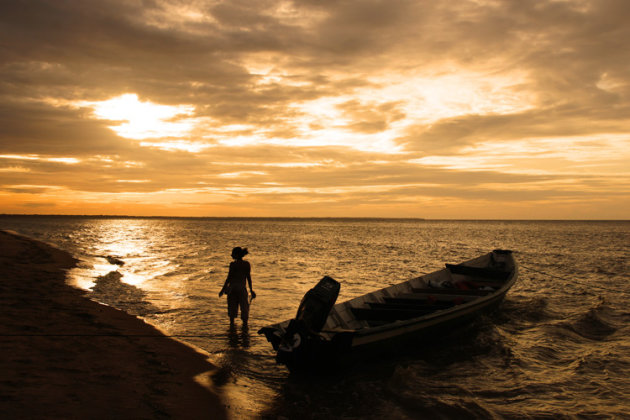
{"x":368,"y":325}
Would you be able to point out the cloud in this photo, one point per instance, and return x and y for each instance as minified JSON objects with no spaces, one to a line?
{"x":368,"y":102}
{"x":453,"y":134}
{"x":36,"y":127}
{"x":370,"y":117}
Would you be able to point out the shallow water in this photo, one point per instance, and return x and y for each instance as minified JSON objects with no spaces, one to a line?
{"x":557,"y":347}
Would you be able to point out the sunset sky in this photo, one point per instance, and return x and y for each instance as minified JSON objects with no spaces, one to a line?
{"x":472,"y":109}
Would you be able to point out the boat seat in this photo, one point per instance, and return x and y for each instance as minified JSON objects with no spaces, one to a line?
{"x":426,"y":301}
{"x":410,"y":304}
{"x":454,"y":292}
{"x":475,"y":282}
{"x":381,"y":314}
{"x":479,"y":272}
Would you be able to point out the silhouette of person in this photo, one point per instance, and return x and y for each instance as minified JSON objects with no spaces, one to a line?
{"x":235,"y":286}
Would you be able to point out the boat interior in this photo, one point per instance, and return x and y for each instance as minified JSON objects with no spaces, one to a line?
{"x":441,"y":290}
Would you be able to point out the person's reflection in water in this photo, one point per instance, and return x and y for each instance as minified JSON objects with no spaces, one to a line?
{"x":236,"y":339}
{"x":235,"y":358}
{"x":245,"y":337}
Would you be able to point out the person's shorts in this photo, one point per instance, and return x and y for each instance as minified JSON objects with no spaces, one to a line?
{"x":235,"y":299}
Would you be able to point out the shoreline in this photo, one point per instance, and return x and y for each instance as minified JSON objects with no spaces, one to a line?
{"x":63,"y":355}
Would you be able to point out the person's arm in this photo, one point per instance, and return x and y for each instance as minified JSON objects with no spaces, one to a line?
{"x":223,"y":288}
{"x":249,"y":280}
{"x":227,"y":281}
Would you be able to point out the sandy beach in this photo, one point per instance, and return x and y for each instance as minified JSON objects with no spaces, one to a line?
{"x":65,"y":356}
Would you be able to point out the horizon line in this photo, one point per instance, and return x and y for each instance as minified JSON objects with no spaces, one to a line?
{"x":119,"y":216}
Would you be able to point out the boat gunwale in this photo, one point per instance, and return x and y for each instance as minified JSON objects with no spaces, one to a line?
{"x":498,"y":294}
{"x":412,"y":325}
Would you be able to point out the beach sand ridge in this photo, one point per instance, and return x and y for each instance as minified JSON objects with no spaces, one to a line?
{"x":65,"y":356}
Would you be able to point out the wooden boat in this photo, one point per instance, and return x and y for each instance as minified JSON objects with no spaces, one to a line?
{"x":324,"y":332}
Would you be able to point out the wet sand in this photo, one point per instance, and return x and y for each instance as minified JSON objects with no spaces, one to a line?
{"x":64,"y":356}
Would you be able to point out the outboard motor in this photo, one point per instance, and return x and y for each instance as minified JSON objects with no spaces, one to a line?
{"x":317,"y":303}
{"x":309,"y":320}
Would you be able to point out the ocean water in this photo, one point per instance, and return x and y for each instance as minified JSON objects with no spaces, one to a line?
{"x":558,"y":346}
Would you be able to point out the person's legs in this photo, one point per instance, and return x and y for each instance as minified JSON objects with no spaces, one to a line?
{"x":244,"y":304}
{"x":233,"y":301}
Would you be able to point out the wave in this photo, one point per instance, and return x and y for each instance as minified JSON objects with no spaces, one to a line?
{"x":593,"y":324}
{"x":110,"y":290}
{"x":526,"y":310}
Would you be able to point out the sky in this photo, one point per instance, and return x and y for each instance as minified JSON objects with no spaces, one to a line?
{"x":469,"y":109}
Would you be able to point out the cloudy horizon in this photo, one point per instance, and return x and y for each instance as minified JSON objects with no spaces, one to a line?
{"x":479,"y":109}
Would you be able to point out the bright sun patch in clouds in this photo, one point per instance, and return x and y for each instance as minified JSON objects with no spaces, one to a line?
{"x":241,"y":174}
{"x":325,"y":121}
{"x":66,"y":160}
{"x":418,"y":99}
{"x":428,"y":98}
{"x":144,"y":119}
{"x":176,"y":145}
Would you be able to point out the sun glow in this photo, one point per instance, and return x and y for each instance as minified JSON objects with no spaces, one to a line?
{"x":66,"y":160}
{"x":372,"y":118}
{"x":241,"y":174}
{"x":176,"y":145}
{"x":429,"y":98}
{"x":143,"y":120}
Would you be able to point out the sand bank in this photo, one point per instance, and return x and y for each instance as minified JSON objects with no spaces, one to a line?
{"x":64,"y":356}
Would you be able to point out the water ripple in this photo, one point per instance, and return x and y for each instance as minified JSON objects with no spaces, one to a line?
{"x":558,"y":347}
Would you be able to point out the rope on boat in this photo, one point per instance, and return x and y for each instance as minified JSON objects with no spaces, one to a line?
{"x":593,"y":286}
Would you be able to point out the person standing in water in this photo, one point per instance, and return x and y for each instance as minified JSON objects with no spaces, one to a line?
{"x":235,"y":286}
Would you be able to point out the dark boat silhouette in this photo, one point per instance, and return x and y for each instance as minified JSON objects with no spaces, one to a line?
{"x":324,"y":333}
